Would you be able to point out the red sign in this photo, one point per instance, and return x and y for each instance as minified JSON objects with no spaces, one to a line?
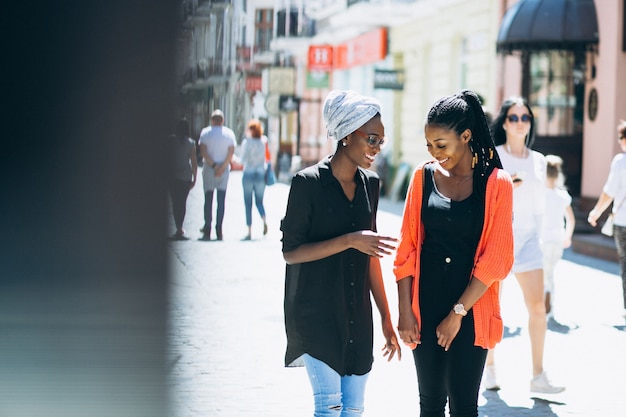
{"x":320,"y":58}
{"x":254,"y":83}
{"x":367,"y":48}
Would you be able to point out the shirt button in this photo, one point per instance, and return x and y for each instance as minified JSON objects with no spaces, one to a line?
{"x":351,"y":341}
{"x":448,"y":260}
{"x":351,"y":321}
{"x":352,"y":284}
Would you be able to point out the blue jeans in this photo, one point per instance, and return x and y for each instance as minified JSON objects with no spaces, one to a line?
{"x":335,"y":395}
{"x":253,"y":183}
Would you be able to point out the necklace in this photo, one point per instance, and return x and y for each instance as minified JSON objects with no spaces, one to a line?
{"x":508,"y":149}
{"x":459,"y":182}
{"x":463,"y":179}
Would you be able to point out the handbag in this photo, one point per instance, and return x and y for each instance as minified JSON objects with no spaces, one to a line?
{"x":270,"y":177}
{"x":607,"y":228}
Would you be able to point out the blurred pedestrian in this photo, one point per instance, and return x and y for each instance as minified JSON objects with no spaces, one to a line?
{"x":456,"y":245}
{"x":254,"y":159}
{"x":183,"y":175}
{"x":513,"y":132}
{"x":332,"y":250}
{"x":217,"y":146}
{"x":558,"y":226}
{"x":614,"y":191}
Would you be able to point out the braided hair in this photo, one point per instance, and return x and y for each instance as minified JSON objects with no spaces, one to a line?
{"x":461,"y":111}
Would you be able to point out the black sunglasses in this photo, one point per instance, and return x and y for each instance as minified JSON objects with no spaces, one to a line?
{"x":513,"y":118}
{"x":372,"y":140}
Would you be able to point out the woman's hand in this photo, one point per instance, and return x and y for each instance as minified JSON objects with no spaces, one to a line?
{"x":371,"y":243}
{"x":408,"y":329}
{"x":391,"y":342}
{"x":448,"y":329}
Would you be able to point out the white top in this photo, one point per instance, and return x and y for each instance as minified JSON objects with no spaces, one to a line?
{"x":557,"y":200}
{"x":529,"y":196}
{"x":217,"y":140}
{"x":615,"y":187}
{"x":253,"y":154}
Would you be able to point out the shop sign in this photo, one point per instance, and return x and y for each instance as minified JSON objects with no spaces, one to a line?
{"x":254,"y":83}
{"x":320,"y":58}
{"x":367,"y":48}
{"x":288,"y":103}
{"x":317,"y":79}
{"x":389,"y":79}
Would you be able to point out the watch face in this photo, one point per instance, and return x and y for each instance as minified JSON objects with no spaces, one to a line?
{"x":459,"y":309}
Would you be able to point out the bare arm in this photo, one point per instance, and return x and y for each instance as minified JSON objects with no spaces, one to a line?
{"x":602,"y":204}
{"x":219,"y":170}
{"x":570,"y":222}
{"x":407,"y":323}
{"x":380,"y":298}
{"x":450,"y":326}
{"x":194,"y":165}
{"x":205,"y":155}
{"x":366,"y":241}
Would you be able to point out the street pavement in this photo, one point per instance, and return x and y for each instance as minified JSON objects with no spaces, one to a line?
{"x":227,"y":338}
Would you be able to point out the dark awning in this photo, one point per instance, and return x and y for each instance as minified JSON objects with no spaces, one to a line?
{"x":532,"y":25}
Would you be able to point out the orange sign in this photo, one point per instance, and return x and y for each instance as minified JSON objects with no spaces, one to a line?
{"x":320,"y":58}
{"x":365,"y":49}
{"x":254,"y":83}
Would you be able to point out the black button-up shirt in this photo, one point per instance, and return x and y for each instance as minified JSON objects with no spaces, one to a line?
{"x":328,"y":312}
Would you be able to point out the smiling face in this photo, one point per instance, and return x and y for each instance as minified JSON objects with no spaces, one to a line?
{"x":358,"y":150}
{"x":447,"y":147}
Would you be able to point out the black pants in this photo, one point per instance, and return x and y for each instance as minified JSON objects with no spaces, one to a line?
{"x":208,"y":209}
{"x":179,"y":190}
{"x":455,"y":374}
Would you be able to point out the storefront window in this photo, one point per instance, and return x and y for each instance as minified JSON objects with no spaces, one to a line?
{"x":556,"y":95}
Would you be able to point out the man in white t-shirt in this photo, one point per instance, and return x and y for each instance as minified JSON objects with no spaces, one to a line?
{"x":217,"y":146}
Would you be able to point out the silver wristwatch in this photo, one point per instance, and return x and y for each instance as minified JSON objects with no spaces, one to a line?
{"x":459,"y":309}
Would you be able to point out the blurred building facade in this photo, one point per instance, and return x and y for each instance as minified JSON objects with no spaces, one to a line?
{"x":277,"y":59}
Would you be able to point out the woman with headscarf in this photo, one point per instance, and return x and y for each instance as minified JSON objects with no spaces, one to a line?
{"x":332,"y":249}
{"x":456,"y":246}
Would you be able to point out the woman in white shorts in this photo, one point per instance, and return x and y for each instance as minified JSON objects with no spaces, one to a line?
{"x":513,"y":131}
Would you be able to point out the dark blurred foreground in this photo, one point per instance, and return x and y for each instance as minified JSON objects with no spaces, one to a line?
{"x":83,"y":273}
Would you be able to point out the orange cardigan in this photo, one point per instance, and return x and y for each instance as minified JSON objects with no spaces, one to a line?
{"x":493,"y":259}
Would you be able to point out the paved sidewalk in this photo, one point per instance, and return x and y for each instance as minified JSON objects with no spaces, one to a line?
{"x":227,"y":337}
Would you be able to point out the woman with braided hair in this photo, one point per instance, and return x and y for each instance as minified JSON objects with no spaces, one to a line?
{"x":455,"y":247}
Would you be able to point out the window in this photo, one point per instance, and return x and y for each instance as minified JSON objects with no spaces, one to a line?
{"x":556,"y":95}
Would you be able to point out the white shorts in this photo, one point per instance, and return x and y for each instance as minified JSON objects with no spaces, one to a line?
{"x":527,"y":249}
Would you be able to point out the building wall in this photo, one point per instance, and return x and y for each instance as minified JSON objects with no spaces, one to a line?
{"x":443,"y":50}
{"x":600,"y":135}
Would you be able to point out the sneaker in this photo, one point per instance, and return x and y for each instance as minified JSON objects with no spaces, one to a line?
{"x":489,"y":378}
{"x":540,"y":383}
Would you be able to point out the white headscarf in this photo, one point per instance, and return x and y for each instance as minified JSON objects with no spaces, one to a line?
{"x":346,"y":111}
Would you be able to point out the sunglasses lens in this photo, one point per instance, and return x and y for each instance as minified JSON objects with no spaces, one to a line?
{"x":374,"y":141}
{"x":514,"y":118}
